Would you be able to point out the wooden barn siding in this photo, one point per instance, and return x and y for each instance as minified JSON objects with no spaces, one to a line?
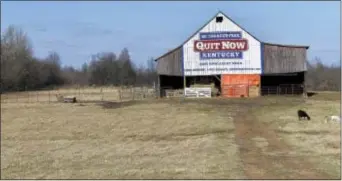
{"x":279,"y":59}
{"x":171,"y":64}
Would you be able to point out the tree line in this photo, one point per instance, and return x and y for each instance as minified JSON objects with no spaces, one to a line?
{"x":21,"y":70}
{"x":321,"y":77}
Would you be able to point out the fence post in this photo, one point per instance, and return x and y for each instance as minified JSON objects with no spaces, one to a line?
{"x":119,"y":90}
{"x":79,"y":92}
{"x":28,"y":96}
{"x":49,"y":95}
{"x":101,"y":94}
{"x":132,"y":90}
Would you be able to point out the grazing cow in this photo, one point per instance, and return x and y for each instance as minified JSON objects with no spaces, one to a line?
{"x":302,"y":115}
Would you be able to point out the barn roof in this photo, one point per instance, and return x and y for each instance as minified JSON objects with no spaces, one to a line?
{"x":167,"y":53}
{"x":282,"y":45}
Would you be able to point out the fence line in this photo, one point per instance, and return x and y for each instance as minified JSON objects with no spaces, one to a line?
{"x":236,"y":90}
{"x":82,"y":94}
{"x":290,"y":89}
{"x":89,"y":94}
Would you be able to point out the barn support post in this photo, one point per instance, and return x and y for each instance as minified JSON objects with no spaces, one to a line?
{"x":260,"y":90}
{"x":217,"y":78}
{"x":304,"y":86}
{"x":158,"y":90}
{"x":278,"y":90}
{"x":184,"y":84}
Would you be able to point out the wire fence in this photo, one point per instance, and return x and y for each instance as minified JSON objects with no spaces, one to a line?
{"x":82,"y":94}
{"x":118,"y":94}
{"x":285,"y":89}
{"x":243,"y":90}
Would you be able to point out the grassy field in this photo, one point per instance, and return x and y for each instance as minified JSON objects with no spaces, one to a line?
{"x":317,"y":140}
{"x":171,"y":139}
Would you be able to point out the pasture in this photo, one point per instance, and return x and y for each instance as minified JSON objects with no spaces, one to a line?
{"x":259,"y":138}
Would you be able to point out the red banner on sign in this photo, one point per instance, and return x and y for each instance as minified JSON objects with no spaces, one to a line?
{"x":218,"y":45}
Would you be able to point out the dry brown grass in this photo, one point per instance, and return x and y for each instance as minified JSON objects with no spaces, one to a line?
{"x":165,"y":139}
{"x":148,"y":140}
{"x":316,"y":140}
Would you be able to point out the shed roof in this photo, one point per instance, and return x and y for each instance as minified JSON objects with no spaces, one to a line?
{"x":167,"y":53}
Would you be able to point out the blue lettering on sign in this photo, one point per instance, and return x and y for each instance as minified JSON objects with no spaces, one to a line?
{"x":228,"y":35}
{"x":221,"y":55}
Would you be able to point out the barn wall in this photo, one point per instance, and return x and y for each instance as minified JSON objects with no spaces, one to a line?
{"x":282,"y":59}
{"x":234,"y":79}
{"x":196,"y":64}
{"x":171,"y":64}
{"x":238,"y":85}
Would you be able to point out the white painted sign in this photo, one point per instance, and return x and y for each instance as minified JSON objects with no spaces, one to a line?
{"x":198,"y":92}
{"x":221,"y":48}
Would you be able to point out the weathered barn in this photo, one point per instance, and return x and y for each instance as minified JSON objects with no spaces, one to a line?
{"x":239,"y":64}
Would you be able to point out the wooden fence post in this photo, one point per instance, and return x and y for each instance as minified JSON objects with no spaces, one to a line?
{"x":28,"y":96}
{"x":79,"y":92}
{"x":101,"y":92}
{"x":120,"y":94}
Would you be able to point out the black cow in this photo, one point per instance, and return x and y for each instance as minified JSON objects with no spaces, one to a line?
{"x":302,"y":115}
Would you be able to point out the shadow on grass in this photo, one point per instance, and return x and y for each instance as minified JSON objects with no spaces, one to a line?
{"x":313,"y":132}
{"x":216,"y":102}
{"x":326,"y":96}
{"x":310,"y":94}
{"x":178,"y":136}
{"x":115,"y":105}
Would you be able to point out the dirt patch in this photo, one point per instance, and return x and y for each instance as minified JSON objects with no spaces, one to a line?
{"x":259,"y":164}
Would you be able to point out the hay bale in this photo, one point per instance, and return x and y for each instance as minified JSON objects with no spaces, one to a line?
{"x":214,"y":90}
